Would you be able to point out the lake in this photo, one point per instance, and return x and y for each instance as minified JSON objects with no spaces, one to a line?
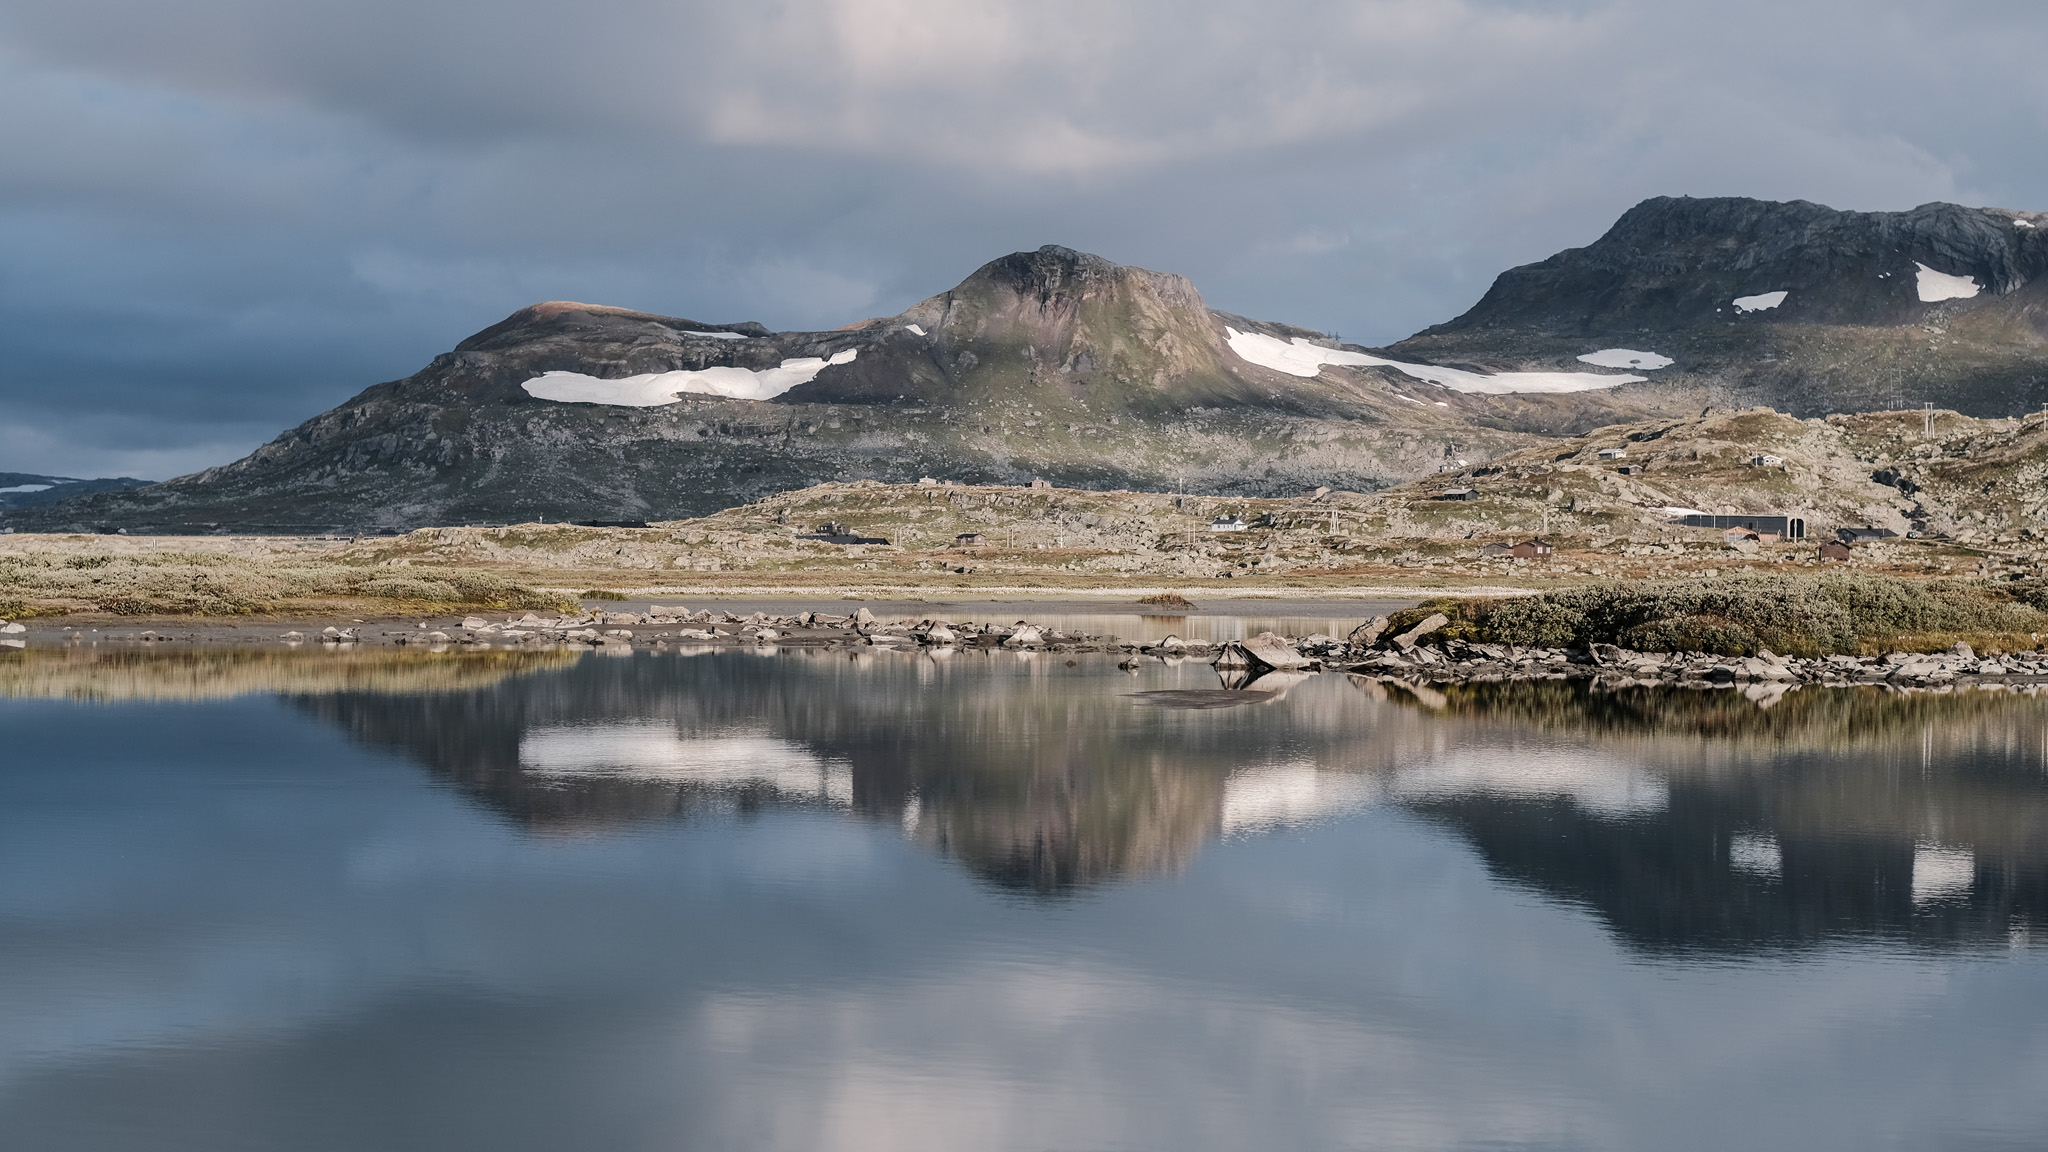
{"x":821,"y":899}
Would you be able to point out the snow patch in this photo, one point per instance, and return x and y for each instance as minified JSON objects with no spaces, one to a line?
{"x":28,"y":488}
{"x":1625,"y":358}
{"x":1763,"y":301}
{"x":2023,"y":223}
{"x":1674,"y":512}
{"x":1301,"y":358}
{"x":914,"y":330}
{"x":1938,"y":286}
{"x":720,"y":335}
{"x":652,"y":390}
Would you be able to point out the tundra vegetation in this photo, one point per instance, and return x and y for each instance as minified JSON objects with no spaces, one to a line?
{"x":1809,"y":614}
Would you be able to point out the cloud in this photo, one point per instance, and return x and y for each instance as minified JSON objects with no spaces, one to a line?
{"x":260,"y":207}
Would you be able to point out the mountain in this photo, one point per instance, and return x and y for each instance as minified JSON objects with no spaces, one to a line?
{"x":1066,"y":366}
{"x":28,"y":490}
{"x":1052,"y":364}
{"x":1795,"y":305}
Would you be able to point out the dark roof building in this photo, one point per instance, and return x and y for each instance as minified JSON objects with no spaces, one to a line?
{"x":1783,"y":527}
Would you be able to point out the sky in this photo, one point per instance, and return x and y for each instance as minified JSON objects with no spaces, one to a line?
{"x":221,"y":217}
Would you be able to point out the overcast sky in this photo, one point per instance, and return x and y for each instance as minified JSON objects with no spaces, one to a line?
{"x":220,"y":217}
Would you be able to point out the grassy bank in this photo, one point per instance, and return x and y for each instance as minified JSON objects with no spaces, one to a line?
{"x":1804,"y":614}
{"x":225,"y":584}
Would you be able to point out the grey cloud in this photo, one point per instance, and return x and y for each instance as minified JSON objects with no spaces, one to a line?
{"x":228,"y":214}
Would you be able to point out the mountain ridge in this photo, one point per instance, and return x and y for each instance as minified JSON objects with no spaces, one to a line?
{"x":1064,"y":365}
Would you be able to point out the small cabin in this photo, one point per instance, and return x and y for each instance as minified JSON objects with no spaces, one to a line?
{"x":1614,"y":453}
{"x":1458,"y":494}
{"x":833,"y":532}
{"x":1629,"y":469}
{"x":1228,"y":524}
{"x":1834,"y":550}
{"x":1766,"y":460}
{"x":1040,"y":482}
{"x":1531,"y":548}
{"x":969,"y":540}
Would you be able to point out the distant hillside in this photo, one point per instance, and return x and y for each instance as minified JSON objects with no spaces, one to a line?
{"x":1795,"y":305}
{"x":1052,"y":364}
{"x":1060,"y":365}
{"x":29,"y":490}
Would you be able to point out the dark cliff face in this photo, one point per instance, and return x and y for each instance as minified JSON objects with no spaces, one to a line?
{"x":1852,"y":333}
{"x":1673,"y":262}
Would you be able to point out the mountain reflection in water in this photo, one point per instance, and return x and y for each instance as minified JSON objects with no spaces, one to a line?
{"x":1688,"y":821}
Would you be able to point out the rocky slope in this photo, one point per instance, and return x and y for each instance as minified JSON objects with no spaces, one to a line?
{"x":1795,"y":305}
{"x":1065,"y":366}
{"x":1051,"y":364}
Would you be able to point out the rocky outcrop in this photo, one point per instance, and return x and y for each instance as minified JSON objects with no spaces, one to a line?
{"x":1838,"y":314}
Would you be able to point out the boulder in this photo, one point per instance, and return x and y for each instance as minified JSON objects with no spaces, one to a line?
{"x":1963,"y":650}
{"x":1435,"y":621}
{"x":12,"y":628}
{"x":863,"y":618}
{"x":1368,"y":633}
{"x":1025,"y":637}
{"x":1265,"y":652}
{"x":1232,"y":655}
{"x":939,"y":634}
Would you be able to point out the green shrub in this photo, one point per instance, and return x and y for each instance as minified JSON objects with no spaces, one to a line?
{"x":1738,"y":615}
{"x":602,"y":594}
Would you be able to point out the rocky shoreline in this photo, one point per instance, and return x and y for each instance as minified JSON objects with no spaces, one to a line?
{"x":1414,"y":656}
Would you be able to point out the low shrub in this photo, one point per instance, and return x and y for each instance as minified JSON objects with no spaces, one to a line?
{"x":1168,"y":600}
{"x":1736,"y":616}
{"x":601,"y":594}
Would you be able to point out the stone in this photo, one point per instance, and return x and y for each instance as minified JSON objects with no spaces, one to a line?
{"x":766,"y":636}
{"x":1435,"y":621}
{"x":940,"y":634}
{"x":475,"y":623}
{"x":863,"y":618}
{"x":1269,"y":651}
{"x":13,"y":629}
{"x":1368,"y":633}
{"x":1963,"y":650}
{"x":1025,"y":637}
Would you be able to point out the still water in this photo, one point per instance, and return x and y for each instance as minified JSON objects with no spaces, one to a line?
{"x":807,"y":900}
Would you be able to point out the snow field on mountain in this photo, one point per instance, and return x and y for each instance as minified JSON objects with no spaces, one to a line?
{"x":1763,"y":301}
{"x":1625,"y":358}
{"x":1301,"y":358}
{"x":1938,"y":286}
{"x":654,"y":389}
{"x":721,"y":335}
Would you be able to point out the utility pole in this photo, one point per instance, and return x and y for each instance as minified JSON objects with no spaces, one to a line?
{"x":1927,"y":410}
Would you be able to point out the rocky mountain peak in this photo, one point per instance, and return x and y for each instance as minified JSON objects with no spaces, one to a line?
{"x":1673,"y":261}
